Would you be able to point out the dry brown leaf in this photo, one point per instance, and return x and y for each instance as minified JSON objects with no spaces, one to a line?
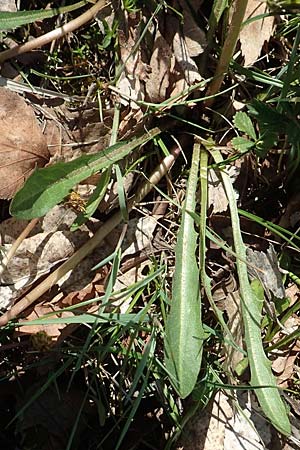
{"x":253,"y":36}
{"x":52,"y":330}
{"x":135,"y":70}
{"x":265,"y":267}
{"x":292,"y":212}
{"x":133,"y":122}
{"x":283,"y":366}
{"x":185,"y":68}
{"x":72,"y":133}
{"x":48,"y":246}
{"x":292,"y":292}
{"x":22,"y":144}
{"x":161,"y":61}
{"x":194,"y":37}
{"x":40,"y":252}
{"x":186,"y":40}
{"x":220,"y":427}
{"x":233,"y":308}
{"x":217,"y":198}
{"x":92,"y":290}
{"x":89,"y":292}
{"x":139,"y":234}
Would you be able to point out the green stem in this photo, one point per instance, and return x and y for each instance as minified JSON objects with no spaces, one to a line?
{"x":228,"y":47}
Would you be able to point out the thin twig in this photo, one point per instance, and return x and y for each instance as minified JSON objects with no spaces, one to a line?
{"x":17,"y":244}
{"x":54,"y":34}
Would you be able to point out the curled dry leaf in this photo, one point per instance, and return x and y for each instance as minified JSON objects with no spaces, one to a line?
{"x":22,"y":144}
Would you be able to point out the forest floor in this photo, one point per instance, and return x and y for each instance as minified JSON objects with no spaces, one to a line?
{"x":150,"y":217}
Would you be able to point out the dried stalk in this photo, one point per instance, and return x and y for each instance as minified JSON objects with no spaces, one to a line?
{"x":54,"y":34}
{"x":17,"y":244}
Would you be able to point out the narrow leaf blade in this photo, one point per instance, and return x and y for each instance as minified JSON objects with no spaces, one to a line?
{"x":184,"y":334}
{"x":11,"y":20}
{"x":262,"y":378}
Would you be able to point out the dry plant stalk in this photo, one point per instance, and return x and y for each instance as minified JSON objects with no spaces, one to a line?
{"x":17,"y":244}
{"x":54,"y":34}
{"x":89,"y":246}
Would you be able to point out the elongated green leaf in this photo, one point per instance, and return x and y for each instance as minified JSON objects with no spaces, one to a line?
{"x":204,"y":233}
{"x":121,"y":194}
{"x":48,"y":186}
{"x":184,"y":333}
{"x":261,"y":374}
{"x":219,"y":6}
{"x":10,"y":20}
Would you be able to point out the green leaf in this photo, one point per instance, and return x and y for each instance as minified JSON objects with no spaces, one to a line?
{"x":268,"y":118}
{"x":93,"y":201}
{"x":48,"y":186}
{"x":262,"y":379}
{"x":121,"y":194}
{"x":242,"y":144}
{"x":284,"y":5}
{"x":11,"y":20}
{"x":270,"y":122}
{"x":244,"y":124}
{"x":266,"y":141}
{"x":261,"y":372}
{"x":184,"y":333}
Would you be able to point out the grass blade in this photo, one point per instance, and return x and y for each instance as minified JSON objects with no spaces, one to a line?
{"x":10,"y":20}
{"x":184,"y":333}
